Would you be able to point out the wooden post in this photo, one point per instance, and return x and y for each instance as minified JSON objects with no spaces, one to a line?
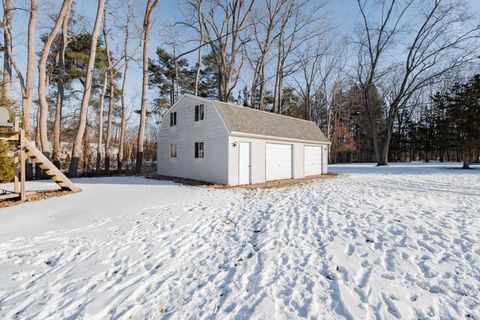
{"x":16,"y":158}
{"x":15,"y":173}
{"x":16,"y":124}
{"x":22,"y":165}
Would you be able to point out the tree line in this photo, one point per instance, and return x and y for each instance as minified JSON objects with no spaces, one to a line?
{"x":400,"y":86}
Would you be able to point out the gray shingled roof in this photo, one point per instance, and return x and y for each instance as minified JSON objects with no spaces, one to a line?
{"x":252,"y":121}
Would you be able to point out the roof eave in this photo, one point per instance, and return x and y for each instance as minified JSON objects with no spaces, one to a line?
{"x":261,"y":136}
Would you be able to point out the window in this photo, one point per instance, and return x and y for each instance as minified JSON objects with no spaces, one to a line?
{"x":173,"y":151}
{"x":199,"y":112}
{"x":173,"y":119}
{"x":198,"y":149}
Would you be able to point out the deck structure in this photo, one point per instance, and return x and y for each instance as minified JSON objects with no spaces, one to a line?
{"x":25,"y":149}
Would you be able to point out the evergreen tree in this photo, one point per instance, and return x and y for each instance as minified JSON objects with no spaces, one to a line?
{"x":461,"y":126}
{"x":163,"y":76}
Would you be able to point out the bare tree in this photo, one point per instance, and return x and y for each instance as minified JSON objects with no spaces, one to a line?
{"x":60,"y":91}
{"x":123,"y":121}
{"x":7,"y":43}
{"x":223,"y":22}
{"x":42,"y":84}
{"x":266,"y":30}
{"x":434,"y":45}
{"x":111,"y":75}
{"x":150,"y":7}
{"x":295,"y":29}
{"x":27,"y":101}
{"x":320,"y":67}
{"x":198,"y":65}
{"x":77,"y":145}
{"x":9,"y":62}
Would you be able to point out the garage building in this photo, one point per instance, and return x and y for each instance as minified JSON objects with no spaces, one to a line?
{"x":219,"y":142}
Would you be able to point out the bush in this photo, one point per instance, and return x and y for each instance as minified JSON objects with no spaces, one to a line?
{"x":6,"y":164}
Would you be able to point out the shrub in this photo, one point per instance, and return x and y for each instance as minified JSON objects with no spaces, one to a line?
{"x":6,"y":164}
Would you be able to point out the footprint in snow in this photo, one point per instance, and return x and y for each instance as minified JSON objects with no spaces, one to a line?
{"x":350,"y":249}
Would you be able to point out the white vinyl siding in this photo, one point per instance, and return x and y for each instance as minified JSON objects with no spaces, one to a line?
{"x":278,"y":161}
{"x":213,"y":166}
{"x":313,"y":160}
{"x":258,"y":161}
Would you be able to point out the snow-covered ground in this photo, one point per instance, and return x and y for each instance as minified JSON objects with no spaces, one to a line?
{"x":395,"y":242}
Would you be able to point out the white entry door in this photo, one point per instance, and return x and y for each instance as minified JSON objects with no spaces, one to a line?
{"x":278,"y":161}
{"x":313,"y":160}
{"x":244,"y":163}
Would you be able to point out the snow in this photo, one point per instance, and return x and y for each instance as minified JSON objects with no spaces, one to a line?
{"x":377,"y":242}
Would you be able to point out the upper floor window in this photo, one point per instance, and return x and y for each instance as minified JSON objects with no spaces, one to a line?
{"x":173,"y":119}
{"x":198,"y":149}
{"x":173,"y":151}
{"x":199,"y":112}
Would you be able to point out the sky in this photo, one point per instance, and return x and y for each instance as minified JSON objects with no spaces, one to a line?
{"x":343,"y":15}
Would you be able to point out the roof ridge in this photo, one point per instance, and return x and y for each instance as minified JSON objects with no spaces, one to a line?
{"x":272,"y":113}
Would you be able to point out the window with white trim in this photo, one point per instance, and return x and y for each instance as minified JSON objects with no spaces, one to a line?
{"x":199,"y":150}
{"x":173,"y":151}
{"x":199,"y":112}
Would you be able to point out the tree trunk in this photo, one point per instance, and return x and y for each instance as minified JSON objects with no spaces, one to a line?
{"x":100,"y":124}
{"x":198,"y":65}
{"x":109,"y":126}
{"x":27,"y":101}
{"x":85,"y":148}
{"x":123,"y":122}
{"x":57,"y":124}
{"x":112,"y":95}
{"x":261,"y":103}
{"x":77,"y":145}
{"x":177,"y":78}
{"x":60,"y":94}
{"x":382,"y":160}
{"x":7,"y":43}
{"x":38,"y":170}
{"x":28,"y":97}
{"x":151,"y":4}
{"x":466,"y":158}
{"x":42,"y":87}
{"x":380,"y":156}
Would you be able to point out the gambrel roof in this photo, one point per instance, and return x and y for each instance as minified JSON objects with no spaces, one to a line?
{"x":252,"y":121}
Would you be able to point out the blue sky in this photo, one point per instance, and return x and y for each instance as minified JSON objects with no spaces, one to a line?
{"x":343,"y":13}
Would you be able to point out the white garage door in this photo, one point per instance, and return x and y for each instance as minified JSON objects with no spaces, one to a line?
{"x":313,"y":160}
{"x":278,"y":161}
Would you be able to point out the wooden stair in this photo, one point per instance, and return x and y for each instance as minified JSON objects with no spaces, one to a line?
{"x":48,"y":167}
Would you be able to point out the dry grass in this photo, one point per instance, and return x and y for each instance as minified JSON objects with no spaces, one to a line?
{"x":34,"y":196}
{"x":266,"y":185}
{"x":184,"y":181}
{"x":282,"y":183}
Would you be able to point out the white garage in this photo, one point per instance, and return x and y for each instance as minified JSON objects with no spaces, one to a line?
{"x":220,"y":142}
{"x":312,"y":160}
{"x":278,"y":164}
